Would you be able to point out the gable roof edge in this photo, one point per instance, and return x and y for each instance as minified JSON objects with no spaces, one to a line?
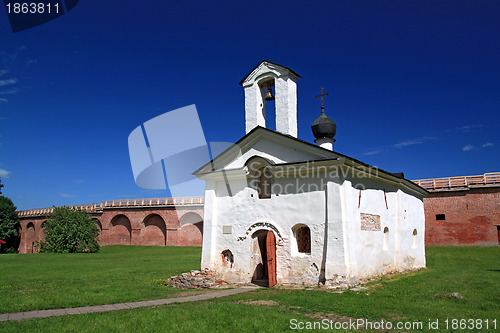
{"x":291,"y":70}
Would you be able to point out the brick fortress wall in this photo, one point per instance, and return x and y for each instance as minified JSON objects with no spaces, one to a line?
{"x":458,"y":211}
{"x":163,"y":226}
{"x":463,"y":217}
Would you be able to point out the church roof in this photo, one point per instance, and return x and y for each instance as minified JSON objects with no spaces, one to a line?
{"x":260,"y":131}
{"x":263,"y":61}
{"x":323,"y":155}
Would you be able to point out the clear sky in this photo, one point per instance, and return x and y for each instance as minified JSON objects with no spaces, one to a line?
{"x":414,"y":85}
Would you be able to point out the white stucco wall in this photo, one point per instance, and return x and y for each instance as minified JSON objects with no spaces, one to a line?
{"x":341,"y":252}
{"x":328,"y":203}
{"x":246,"y":214}
{"x":286,"y":105}
{"x":337,"y":258}
{"x":273,"y":151}
{"x":369,"y":253}
{"x":255,"y":84}
{"x":412,"y":251}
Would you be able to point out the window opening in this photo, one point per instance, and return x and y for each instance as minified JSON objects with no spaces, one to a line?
{"x":303,"y":236}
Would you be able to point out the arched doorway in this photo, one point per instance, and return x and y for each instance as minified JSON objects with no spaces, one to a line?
{"x":263,"y":247}
{"x":121,"y":230}
{"x":154,"y":231}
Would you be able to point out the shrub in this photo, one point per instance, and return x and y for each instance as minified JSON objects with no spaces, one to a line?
{"x":69,"y":231}
{"x":9,"y":225}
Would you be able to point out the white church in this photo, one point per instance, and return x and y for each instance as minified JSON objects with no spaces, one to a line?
{"x":280,"y":210}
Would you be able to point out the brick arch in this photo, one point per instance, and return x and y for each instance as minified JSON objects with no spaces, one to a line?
{"x":120,"y":231}
{"x":99,"y":225}
{"x":126,"y":226}
{"x":22,"y":237}
{"x":153,"y":231}
{"x":190,"y":218}
{"x":188,"y":212}
{"x":41,"y":231}
{"x":31,"y":237}
{"x":191,"y":230}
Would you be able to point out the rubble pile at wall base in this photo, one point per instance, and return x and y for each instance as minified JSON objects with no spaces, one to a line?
{"x":196,"y":280}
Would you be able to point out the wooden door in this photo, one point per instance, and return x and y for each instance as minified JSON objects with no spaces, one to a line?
{"x":271,"y":258}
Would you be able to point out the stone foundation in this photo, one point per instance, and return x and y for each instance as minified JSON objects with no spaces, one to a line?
{"x":196,"y":280}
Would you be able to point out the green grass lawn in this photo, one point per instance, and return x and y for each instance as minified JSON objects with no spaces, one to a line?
{"x":474,"y":272}
{"x":115,"y":274}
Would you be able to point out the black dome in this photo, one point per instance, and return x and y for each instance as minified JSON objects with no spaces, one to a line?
{"x":324,"y":127}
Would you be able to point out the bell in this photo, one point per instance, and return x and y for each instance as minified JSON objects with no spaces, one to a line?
{"x":269,"y":95}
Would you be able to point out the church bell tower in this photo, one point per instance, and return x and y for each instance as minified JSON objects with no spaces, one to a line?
{"x":259,"y":86}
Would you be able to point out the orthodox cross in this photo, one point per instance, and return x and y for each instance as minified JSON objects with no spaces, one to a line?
{"x":321,"y":95}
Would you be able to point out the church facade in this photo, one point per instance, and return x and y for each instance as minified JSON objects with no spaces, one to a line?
{"x":282,"y":210}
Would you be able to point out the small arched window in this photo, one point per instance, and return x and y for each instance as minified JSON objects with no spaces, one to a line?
{"x":414,"y":239}
{"x":386,"y":239}
{"x":303,"y":237}
{"x":227,"y":258}
{"x":265,"y":179}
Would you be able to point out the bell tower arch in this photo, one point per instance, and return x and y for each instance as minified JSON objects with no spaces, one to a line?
{"x":259,"y":84}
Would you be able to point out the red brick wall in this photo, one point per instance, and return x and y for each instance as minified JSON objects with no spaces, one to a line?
{"x":132,"y":226}
{"x":471,"y":217}
{"x":29,"y":233}
{"x":190,"y":234}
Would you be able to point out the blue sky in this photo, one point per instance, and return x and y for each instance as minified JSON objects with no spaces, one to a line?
{"x":413,"y":85}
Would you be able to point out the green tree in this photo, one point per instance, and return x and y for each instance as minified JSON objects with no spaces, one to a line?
{"x":1,"y":185}
{"x":69,"y":231}
{"x":9,"y":225}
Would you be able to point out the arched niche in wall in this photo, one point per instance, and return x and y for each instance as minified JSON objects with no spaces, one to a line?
{"x":414,"y":243}
{"x":302,"y":238}
{"x":154,"y":231}
{"x":191,"y":231}
{"x":121,"y":230}
{"x":386,"y":239}
{"x":259,"y":176}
